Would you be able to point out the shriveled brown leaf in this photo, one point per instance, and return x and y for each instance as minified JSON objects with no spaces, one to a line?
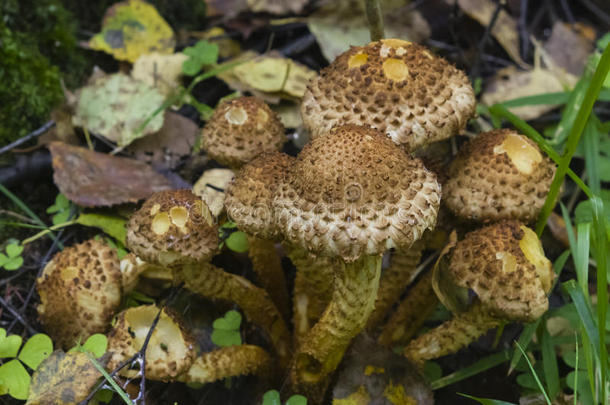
{"x":510,"y":83}
{"x":504,"y":29}
{"x":93,"y":179}
{"x":570,"y":45}
{"x":63,"y":379}
{"x":165,"y":148}
{"x":276,"y":6}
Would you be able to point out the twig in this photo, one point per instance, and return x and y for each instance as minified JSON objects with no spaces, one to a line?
{"x":597,"y":11}
{"x":17,"y":316}
{"x":213,"y":187}
{"x":474,"y":72}
{"x":27,"y":137}
{"x":567,"y":11}
{"x":523,"y":33}
{"x":374,"y":18}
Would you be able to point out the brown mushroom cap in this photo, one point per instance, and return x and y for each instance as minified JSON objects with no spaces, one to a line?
{"x":169,"y":353}
{"x":249,"y":197}
{"x":499,"y":175}
{"x":354,"y":193}
{"x":172,"y":228}
{"x":504,"y":264}
{"x":241,"y":129}
{"x":80,"y":291}
{"x":396,"y":86}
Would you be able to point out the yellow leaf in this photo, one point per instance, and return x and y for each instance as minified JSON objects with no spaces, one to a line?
{"x":159,"y":70}
{"x":131,"y":29}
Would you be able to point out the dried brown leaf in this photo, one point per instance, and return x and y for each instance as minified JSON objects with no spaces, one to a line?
{"x":93,"y":179}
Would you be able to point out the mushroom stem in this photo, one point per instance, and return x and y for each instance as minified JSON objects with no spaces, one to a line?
{"x":268,"y":268}
{"x":394,"y":280}
{"x":212,"y":282}
{"x":227,"y":362}
{"x":353,"y":299}
{"x":313,"y":289}
{"x":410,"y":314}
{"x":374,"y":18}
{"x":451,"y":336}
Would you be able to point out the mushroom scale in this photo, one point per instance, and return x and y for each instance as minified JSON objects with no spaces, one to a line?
{"x":353,"y":193}
{"x":172,"y":228}
{"x":80,"y":291}
{"x":241,"y":129}
{"x":500,"y":174}
{"x":395,"y":86}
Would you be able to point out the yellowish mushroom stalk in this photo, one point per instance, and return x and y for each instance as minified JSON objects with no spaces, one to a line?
{"x":394,"y":280}
{"x":505,"y":266}
{"x":175,"y":229}
{"x":80,"y":291}
{"x":410,"y":315}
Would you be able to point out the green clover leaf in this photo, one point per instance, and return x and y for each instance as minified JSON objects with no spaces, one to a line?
{"x":96,"y":344}
{"x":12,"y":260}
{"x":226,"y":330}
{"x":271,"y":397}
{"x":238,"y":242}
{"x":203,"y":53}
{"x":14,"y":380}
{"x":9,"y":346}
{"x":35,"y":350}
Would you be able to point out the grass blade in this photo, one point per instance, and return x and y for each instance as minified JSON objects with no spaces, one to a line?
{"x":484,"y":364}
{"x":529,"y":363}
{"x":486,"y":401}
{"x":582,"y":116}
{"x":584,"y":312}
{"x":549,"y":363}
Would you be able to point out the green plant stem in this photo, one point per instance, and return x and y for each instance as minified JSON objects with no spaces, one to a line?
{"x":46,"y":231}
{"x":374,"y":18}
{"x":108,"y":378}
{"x":574,"y":137}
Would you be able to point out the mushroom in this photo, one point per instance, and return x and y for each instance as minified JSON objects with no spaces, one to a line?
{"x":505,"y":266}
{"x":500,"y":174}
{"x":395,"y":86}
{"x":350,"y":195}
{"x":241,"y":129}
{"x":175,"y":229}
{"x":80,"y":291}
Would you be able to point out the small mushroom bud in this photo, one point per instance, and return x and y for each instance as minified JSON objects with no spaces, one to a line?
{"x":170,"y":351}
{"x":500,"y":174}
{"x":240,"y":130}
{"x":505,"y":266}
{"x":398,"y":87}
{"x":80,"y":291}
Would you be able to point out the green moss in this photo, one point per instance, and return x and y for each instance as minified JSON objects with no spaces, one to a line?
{"x":30,"y":85}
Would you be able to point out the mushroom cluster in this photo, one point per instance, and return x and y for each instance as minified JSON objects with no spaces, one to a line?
{"x":353,"y":193}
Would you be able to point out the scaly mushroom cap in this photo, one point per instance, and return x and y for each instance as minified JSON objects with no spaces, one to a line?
{"x":249,"y":199}
{"x":499,"y":175}
{"x":80,"y":291}
{"x":172,"y":228}
{"x":353,"y":192}
{"x":396,"y":86}
{"x":504,"y":264}
{"x":170,"y":349}
{"x":240,"y":130}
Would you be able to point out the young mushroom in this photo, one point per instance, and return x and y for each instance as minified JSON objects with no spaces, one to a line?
{"x":505,"y":266}
{"x":349,"y":195}
{"x":175,"y":229}
{"x":500,"y":174}
{"x":80,"y":291}
{"x":395,"y":86}
{"x":240,"y":130}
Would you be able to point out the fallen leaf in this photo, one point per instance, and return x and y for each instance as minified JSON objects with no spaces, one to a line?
{"x":62,"y":379}
{"x":228,"y":8}
{"x":227,"y":47}
{"x":289,"y":113}
{"x":276,"y":6}
{"x":112,"y":225}
{"x":510,"y":83}
{"x":210,"y":187}
{"x":504,"y":29}
{"x":166,"y":147}
{"x":570,"y":45}
{"x":159,"y":71}
{"x":63,"y":130}
{"x":92,"y":179}
{"x":270,"y":77}
{"x":133,"y":28}
{"x":337,"y":25}
{"x":116,"y":106}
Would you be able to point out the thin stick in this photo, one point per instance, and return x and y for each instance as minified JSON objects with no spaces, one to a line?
{"x":374,"y":18}
{"x":27,"y":137}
